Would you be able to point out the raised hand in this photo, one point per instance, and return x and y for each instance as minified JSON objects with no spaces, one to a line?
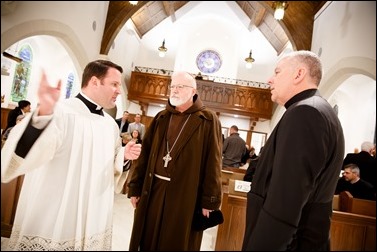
{"x":48,"y":95}
{"x":132,"y":150}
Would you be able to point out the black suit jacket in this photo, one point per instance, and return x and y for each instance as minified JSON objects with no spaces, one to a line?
{"x":125,"y":126}
{"x":289,"y":206}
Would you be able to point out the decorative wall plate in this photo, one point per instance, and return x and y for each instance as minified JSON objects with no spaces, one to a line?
{"x":208,"y":61}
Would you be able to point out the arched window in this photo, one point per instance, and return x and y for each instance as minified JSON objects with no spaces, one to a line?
{"x":70,"y":81}
{"x":22,"y":74}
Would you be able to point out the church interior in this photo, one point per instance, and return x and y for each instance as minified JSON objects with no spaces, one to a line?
{"x":231,"y":47}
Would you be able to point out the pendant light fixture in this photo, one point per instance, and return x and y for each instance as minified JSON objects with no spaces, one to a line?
{"x":162,"y":50}
{"x":249,"y":61}
{"x":280,"y":8}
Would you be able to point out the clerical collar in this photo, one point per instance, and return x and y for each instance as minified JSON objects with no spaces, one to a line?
{"x":301,"y":96}
{"x":90,"y":104}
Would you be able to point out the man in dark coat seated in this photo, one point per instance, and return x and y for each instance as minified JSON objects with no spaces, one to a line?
{"x":352,"y":183}
{"x":365,"y":161}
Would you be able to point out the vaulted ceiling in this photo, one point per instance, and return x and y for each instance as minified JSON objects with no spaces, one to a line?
{"x":296,"y":27}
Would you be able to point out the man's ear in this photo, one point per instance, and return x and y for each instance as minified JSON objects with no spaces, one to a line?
{"x":300,"y":75}
{"x":94,"y":80}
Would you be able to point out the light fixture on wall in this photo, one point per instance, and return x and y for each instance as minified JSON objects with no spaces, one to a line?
{"x":280,"y":8}
{"x":162,"y":50}
{"x":249,"y":61}
{"x":12,"y":57}
{"x":133,"y":2}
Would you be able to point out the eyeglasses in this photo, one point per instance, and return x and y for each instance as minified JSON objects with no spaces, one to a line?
{"x":179,"y":87}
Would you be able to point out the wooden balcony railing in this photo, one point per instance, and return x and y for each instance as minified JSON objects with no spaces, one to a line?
{"x":149,"y":88}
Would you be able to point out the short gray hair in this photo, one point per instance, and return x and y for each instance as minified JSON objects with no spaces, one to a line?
{"x":367,"y":146}
{"x":312,"y":61}
{"x":354,"y":168}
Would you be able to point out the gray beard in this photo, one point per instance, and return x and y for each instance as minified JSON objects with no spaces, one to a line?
{"x":176,"y":102}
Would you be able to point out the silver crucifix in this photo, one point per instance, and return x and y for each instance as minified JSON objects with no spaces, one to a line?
{"x":166,"y":159}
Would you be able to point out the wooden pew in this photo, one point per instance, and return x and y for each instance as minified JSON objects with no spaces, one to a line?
{"x":232,"y":191}
{"x":227,"y":174}
{"x":233,"y":169}
{"x":349,"y":204}
{"x":10,"y":193}
{"x":353,"y":227}
{"x":230,"y":233}
{"x":335,"y":203}
{"x":349,"y":231}
{"x":352,"y":232}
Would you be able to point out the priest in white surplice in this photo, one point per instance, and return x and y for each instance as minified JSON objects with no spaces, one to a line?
{"x":72,"y":157}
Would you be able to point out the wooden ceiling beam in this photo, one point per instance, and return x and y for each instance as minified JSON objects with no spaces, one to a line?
{"x":297,"y":23}
{"x":169,"y":9}
{"x":117,"y":15}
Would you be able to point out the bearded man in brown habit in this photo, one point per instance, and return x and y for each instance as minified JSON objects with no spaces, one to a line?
{"x":178,"y":171}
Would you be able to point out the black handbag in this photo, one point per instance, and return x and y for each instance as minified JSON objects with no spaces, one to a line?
{"x":201,"y":222}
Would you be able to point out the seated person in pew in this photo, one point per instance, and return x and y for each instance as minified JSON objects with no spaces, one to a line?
{"x":352,"y":182}
{"x":251,"y":168}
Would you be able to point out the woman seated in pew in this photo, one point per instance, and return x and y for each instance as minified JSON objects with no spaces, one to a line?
{"x":352,"y":183}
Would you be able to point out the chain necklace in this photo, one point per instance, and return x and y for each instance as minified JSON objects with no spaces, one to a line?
{"x":167,"y":158}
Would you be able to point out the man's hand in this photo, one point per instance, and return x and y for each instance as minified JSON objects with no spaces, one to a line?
{"x":48,"y":96}
{"x":135,"y":201}
{"x":206,"y":212}
{"x":132,"y":150}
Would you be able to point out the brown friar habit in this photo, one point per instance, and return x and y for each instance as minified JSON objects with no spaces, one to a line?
{"x":164,"y":214}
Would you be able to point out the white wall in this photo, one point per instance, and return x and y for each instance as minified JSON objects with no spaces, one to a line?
{"x":72,"y":21}
{"x":345,"y":37}
{"x":346,"y":29}
{"x":124,"y":51}
{"x":356,"y":101}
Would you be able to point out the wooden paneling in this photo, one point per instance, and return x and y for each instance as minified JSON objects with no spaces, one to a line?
{"x":226,"y":175}
{"x":147,"y":88}
{"x":4,"y":117}
{"x":348,"y":232}
{"x":230,"y":233}
{"x":352,"y":232}
{"x":234,"y":169}
{"x":9,"y":199}
{"x":347,"y":203}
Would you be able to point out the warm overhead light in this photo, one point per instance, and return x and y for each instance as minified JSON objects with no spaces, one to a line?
{"x":279,"y":7}
{"x":133,"y":2}
{"x":249,"y":61}
{"x":162,"y":50}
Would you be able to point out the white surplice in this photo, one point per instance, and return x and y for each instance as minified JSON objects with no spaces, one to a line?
{"x":67,"y":196}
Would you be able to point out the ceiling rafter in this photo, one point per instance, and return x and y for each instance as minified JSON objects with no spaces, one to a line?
{"x":169,"y":9}
{"x":296,"y":27}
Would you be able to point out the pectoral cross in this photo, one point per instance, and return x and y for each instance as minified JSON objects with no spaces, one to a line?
{"x":166,"y":159}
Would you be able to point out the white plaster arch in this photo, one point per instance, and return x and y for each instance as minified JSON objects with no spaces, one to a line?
{"x":342,"y":70}
{"x":62,"y":32}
